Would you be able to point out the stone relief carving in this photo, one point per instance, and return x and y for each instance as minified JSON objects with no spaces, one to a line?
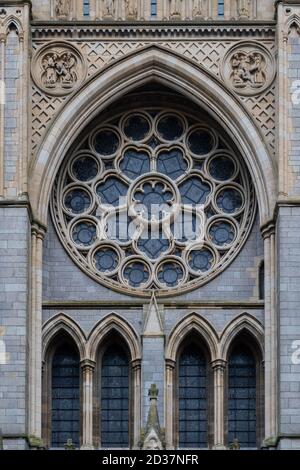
{"x":244,"y":8}
{"x":248,"y":68}
{"x":58,"y":69}
{"x":131,"y":9}
{"x":175,"y":8}
{"x":62,"y":8}
{"x":198,"y":9}
{"x":109,"y":8}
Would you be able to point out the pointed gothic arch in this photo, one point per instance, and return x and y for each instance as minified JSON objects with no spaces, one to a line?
{"x":148,"y":64}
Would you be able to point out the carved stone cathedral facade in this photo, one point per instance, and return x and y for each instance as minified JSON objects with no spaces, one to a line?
{"x":124,"y":327}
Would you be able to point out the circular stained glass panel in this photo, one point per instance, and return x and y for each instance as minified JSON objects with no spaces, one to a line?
{"x":85,"y":168}
{"x":201,"y":142}
{"x":106,"y":259}
{"x":222,"y":168}
{"x":229,"y":200}
{"x":136,"y":273}
{"x":170,"y":273}
{"x":106,"y":142}
{"x":201,"y":260}
{"x":136,"y":127}
{"x":170,"y":127}
{"x":222,"y":233}
{"x":77,"y":201}
{"x":84,"y":233}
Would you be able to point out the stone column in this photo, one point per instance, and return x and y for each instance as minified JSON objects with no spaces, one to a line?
{"x":87,"y":374}
{"x":271,"y":351}
{"x":169,"y":409}
{"x":136,"y":381}
{"x":2,"y":110}
{"x":35,"y":332}
{"x":219,"y":367}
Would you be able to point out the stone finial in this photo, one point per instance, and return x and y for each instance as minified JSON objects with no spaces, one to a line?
{"x":235,"y":445}
{"x":153,"y":435}
{"x":69,"y":445}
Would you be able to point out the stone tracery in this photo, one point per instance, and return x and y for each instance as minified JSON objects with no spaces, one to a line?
{"x":157,"y":201}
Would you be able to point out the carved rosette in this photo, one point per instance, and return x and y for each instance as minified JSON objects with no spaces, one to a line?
{"x":58,"y":68}
{"x":248,"y":68}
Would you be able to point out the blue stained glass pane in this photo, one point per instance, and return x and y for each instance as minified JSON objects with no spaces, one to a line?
{"x":153,"y":7}
{"x":229,"y":200}
{"x":170,"y":274}
{"x":136,"y":128}
{"x":154,"y":198}
{"x":111,"y":191}
{"x":220,"y":7}
{"x":135,"y":163}
{"x":65,"y":409}
{"x":194,"y":191}
{"x":170,"y":127}
{"x":192,"y":398}
{"x":242,"y":397}
{"x":84,"y":233}
{"x":115,"y":398}
{"x":201,"y":142}
{"x":172,"y":163}
{"x":106,"y":259}
{"x":201,"y":260}
{"x":153,"y":245}
{"x":136,"y":273}
{"x":106,"y":142}
{"x":222,"y":233}
{"x":222,"y":168}
{"x":77,"y":201}
{"x":85,"y":168}
{"x":86,"y":7}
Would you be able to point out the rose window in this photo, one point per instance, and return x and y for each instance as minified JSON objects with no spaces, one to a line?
{"x":153,"y":200}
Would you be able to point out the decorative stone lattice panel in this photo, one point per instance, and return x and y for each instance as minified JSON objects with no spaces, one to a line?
{"x":207,"y":53}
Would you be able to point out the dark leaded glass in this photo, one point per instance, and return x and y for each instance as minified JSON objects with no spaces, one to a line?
{"x":136,"y":273}
{"x":153,"y":244}
{"x":65,"y":414}
{"x":194,"y":191}
{"x":229,"y":200}
{"x":201,"y":142}
{"x":85,"y":168}
{"x":222,"y":168}
{"x":201,"y":260}
{"x":192,"y":398}
{"x":84,"y":233}
{"x":106,"y":142}
{"x":172,"y":163}
{"x":77,"y":201}
{"x":135,"y":163}
{"x":222,"y":233}
{"x":154,"y":199}
{"x":170,"y":127}
{"x":136,"y":128}
{"x":170,"y":274}
{"x":106,"y":260}
{"x":242,"y":397}
{"x":111,"y":191}
{"x":262,"y":281}
{"x":115,"y":398}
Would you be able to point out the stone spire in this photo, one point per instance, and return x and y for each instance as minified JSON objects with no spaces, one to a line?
{"x":153,"y":435}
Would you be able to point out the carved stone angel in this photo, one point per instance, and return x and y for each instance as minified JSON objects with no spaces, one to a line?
{"x":62,"y":8}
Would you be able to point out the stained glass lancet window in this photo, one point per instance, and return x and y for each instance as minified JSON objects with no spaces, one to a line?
{"x":86,"y":7}
{"x":192,"y":398}
{"x":153,"y":6}
{"x":220,"y":7}
{"x":115,"y":398}
{"x":242,"y":397}
{"x":65,"y":416}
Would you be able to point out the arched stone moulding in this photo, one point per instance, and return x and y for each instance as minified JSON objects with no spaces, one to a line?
{"x":152,"y":63}
{"x":243,"y":323}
